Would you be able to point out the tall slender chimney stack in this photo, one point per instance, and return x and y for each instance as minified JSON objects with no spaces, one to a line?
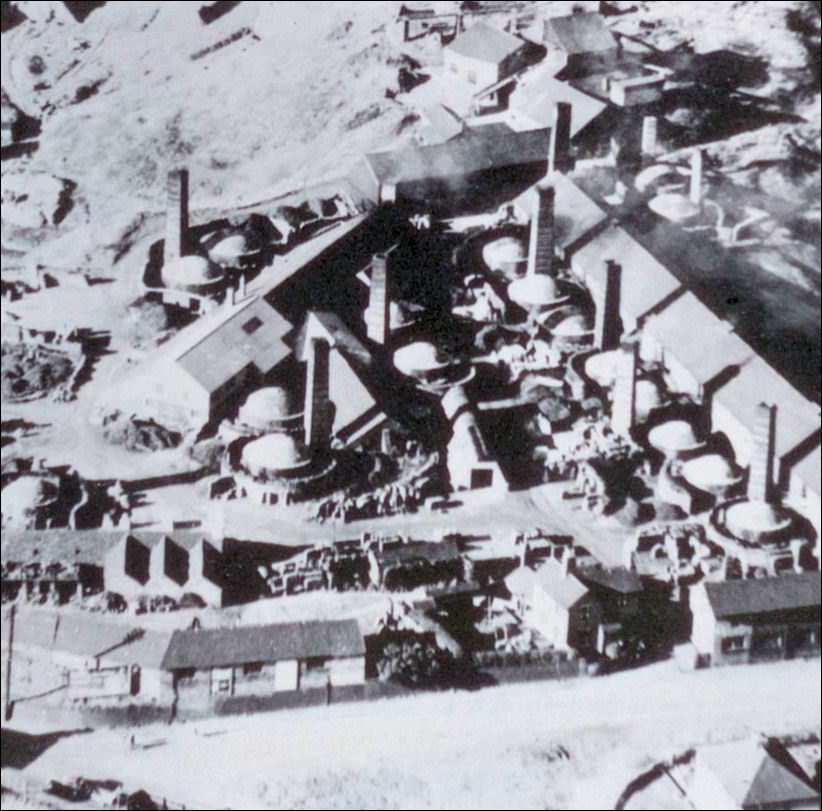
{"x":649,"y":127}
{"x":176,"y":215}
{"x":317,"y":411}
{"x":541,"y":244}
{"x":623,"y":410}
{"x":559,"y":157}
{"x":760,"y":472}
{"x":606,"y":320}
{"x":377,"y":315}
{"x":696,"y":177}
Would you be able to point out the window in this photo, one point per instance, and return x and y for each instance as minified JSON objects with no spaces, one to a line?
{"x":623,"y":601}
{"x":316,"y":663}
{"x":251,"y":668}
{"x":585,"y":614}
{"x":224,"y":685}
{"x":252,"y":325}
{"x":731,"y":644}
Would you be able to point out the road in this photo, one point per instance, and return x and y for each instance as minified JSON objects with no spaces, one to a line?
{"x":495,"y":748}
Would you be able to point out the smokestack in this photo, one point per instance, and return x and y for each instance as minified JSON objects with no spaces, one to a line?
{"x":242,"y":290}
{"x":623,"y":410}
{"x":696,"y":177}
{"x":377,"y":315}
{"x":606,"y":321}
{"x":541,"y":246}
{"x":317,"y":412}
{"x":559,"y":157}
{"x":649,"y":124}
{"x":761,"y":468}
{"x":176,"y":215}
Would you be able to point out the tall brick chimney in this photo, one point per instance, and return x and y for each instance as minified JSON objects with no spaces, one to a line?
{"x":377,"y":315}
{"x":623,"y":410}
{"x":696,"y":177}
{"x":649,"y":127}
{"x":559,"y":157}
{"x":317,"y":411}
{"x":176,"y":215}
{"x":606,"y":321}
{"x":541,"y":245}
{"x":760,"y":472}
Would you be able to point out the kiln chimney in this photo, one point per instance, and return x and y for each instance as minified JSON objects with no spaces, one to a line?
{"x":377,"y":315}
{"x":760,"y":471}
{"x":696,"y":177}
{"x":623,"y":410}
{"x":559,"y":157}
{"x":317,"y":411}
{"x":176,"y":215}
{"x":541,"y":247}
{"x":607,"y":323}
{"x":649,"y":125}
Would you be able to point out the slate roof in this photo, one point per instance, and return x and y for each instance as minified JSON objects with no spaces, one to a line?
{"x":753,"y":778}
{"x":539,"y":91}
{"x":734,"y":598}
{"x":474,"y":151}
{"x":565,"y":591}
{"x":797,"y":418}
{"x":646,"y":282}
{"x":809,"y":470}
{"x":579,"y":33}
{"x":485,"y":43}
{"x":224,"y":647}
{"x":701,"y":342}
{"x":431,"y":552}
{"x":226,"y":342}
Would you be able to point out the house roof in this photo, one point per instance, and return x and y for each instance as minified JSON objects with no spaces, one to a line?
{"x":752,"y":777}
{"x":577,"y":215}
{"x":441,"y":125}
{"x":485,"y":43}
{"x":476,"y":150}
{"x":797,"y":418}
{"x":620,"y":579}
{"x":89,"y":635}
{"x":223,"y":647}
{"x":733,"y":598}
{"x":704,"y":344}
{"x":228,"y":339}
{"x":578,"y":33}
{"x":809,"y":469}
{"x":564,"y":590}
{"x":646,"y":282}
{"x":538,"y":92}
{"x":429,"y":551}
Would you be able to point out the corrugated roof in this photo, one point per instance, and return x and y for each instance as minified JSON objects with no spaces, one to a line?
{"x":224,"y":647}
{"x":485,"y":43}
{"x":752,"y":777}
{"x":797,"y":418}
{"x":249,"y":334}
{"x":579,"y":33}
{"x":566,"y":591}
{"x":474,"y":151}
{"x":646,"y":282}
{"x":742,"y":597}
{"x":538,"y":92}
{"x":701,"y":342}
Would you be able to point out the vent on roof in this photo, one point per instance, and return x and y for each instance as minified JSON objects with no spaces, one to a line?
{"x":252,"y":325}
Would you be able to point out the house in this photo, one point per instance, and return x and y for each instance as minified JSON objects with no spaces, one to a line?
{"x":426,"y":173}
{"x":160,"y":564}
{"x":201,"y":372}
{"x":484,"y":56}
{"x":90,"y":657}
{"x":742,"y":621}
{"x":749,"y":774}
{"x":694,"y":347}
{"x":585,"y":606}
{"x":211,"y":666}
{"x":579,"y":44}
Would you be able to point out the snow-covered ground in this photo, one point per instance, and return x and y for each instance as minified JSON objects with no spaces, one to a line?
{"x":501,"y":747}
